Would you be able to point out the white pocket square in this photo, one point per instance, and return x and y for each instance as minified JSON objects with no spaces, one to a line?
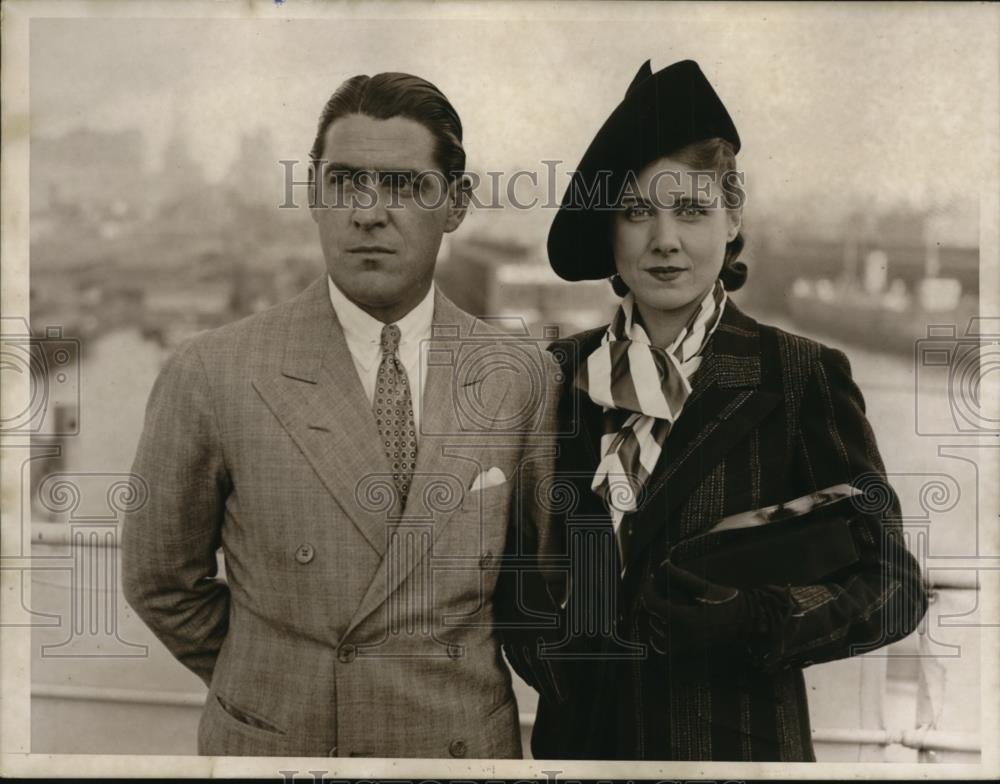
{"x":489,"y":479}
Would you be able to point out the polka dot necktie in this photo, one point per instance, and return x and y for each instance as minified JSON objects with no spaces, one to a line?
{"x":394,"y":413}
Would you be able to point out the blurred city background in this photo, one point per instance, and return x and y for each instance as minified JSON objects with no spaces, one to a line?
{"x":154,"y":190}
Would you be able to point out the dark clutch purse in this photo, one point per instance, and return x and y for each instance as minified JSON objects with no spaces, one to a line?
{"x":797,"y":543}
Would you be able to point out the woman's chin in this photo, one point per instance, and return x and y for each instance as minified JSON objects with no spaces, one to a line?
{"x":665,"y":300}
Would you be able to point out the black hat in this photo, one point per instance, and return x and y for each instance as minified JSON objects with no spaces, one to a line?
{"x":659,"y":114}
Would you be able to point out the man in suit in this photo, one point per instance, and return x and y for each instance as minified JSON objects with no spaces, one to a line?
{"x":363,"y":454}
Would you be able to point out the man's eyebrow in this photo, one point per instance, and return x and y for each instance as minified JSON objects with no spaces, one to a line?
{"x":334,"y":166}
{"x":411,"y":173}
{"x":343,"y":168}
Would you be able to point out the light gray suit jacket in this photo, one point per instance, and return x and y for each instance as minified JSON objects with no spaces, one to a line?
{"x":341,"y":628}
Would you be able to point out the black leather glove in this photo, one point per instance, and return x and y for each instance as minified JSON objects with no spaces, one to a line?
{"x":535,"y":670}
{"x":686,"y":613}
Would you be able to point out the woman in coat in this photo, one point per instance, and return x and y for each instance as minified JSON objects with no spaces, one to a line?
{"x":679,"y":413}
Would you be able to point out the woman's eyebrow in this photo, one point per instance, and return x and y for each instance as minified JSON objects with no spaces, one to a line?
{"x":631,"y":200}
{"x":689,"y":201}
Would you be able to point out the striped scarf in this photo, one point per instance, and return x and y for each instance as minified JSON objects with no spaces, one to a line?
{"x":642,"y":389}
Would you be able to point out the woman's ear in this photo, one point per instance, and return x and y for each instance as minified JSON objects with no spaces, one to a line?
{"x":735,"y":220}
{"x":458,"y":202}
{"x":620,"y":286}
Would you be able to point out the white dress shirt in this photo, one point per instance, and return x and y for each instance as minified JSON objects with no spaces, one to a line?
{"x":363,"y":334}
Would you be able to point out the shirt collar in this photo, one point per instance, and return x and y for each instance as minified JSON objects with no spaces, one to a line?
{"x":363,"y":332}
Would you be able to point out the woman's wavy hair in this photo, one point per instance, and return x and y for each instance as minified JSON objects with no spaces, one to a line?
{"x":714,"y":155}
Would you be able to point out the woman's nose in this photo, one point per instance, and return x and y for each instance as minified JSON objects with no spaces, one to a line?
{"x":665,"y":237}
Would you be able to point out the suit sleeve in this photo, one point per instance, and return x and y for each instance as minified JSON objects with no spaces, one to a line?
{"x":529,"y":589}
{"x":169,"y":544}
{"x":881,"y":599}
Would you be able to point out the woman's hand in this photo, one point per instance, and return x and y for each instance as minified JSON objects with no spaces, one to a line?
{"x":686,"y":612}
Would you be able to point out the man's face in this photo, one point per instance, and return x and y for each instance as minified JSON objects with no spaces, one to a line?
{"x":379,"y":226}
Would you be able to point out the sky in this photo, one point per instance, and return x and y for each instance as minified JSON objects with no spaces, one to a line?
{"x":838,"y":107}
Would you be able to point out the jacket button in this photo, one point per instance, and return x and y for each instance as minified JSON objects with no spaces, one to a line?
{"x":346,"y":653}
{"x":486,"y":560}
{"x":457,"y":748}
{"x":305,"y":553}
{"x":454,"y":651}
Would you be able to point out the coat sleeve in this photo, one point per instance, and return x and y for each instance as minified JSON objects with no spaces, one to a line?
{"x":169,"y":545}
{"x":529,"y":587}
{"x":881,"y":599}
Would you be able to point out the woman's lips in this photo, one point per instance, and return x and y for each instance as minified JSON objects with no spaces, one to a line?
{"x":666,"y":273}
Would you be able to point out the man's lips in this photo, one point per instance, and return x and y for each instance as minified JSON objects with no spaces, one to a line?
{"x":370,"y":249}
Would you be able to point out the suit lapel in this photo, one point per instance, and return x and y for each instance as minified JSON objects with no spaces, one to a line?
{"x":727,"y":401}
{"x":458,"y":402}
{"x":448,"y":449}
{"x":318,"y":398}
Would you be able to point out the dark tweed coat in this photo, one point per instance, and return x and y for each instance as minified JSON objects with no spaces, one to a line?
{"x":772,"y":416}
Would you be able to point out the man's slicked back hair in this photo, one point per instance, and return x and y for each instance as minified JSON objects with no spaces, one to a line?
{"x":387,"y":95}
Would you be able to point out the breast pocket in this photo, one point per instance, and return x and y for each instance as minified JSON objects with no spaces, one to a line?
{"x":488,"y":499}
{"x":482,"y":521}
{"x":473,"y":546}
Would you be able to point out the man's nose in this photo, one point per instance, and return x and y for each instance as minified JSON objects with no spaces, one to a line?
{"x":666,"y":238}
{"x":368,"y":212}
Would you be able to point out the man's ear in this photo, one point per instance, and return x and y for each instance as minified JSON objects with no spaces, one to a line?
{"x":458,"y":202}
{"x":313,"y":208}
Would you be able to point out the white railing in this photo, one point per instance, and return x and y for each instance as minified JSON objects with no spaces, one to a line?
{"x":923,"y":739}
{"x":940,"y":726}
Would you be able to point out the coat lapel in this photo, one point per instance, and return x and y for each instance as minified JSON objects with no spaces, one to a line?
{"x":583,"y":418}
{"x":318,"y":398}
{"x":458,"y":402}
{"x":728,"y":398}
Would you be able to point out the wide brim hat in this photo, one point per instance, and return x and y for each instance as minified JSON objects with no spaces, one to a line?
{"x":660,"y":114}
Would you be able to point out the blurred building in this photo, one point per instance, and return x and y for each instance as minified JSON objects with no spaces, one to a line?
{"x":879,"y":283}
{"x":94,"y":172}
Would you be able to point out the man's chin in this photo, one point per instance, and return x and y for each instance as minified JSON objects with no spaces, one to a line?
{"x":379,"y":294}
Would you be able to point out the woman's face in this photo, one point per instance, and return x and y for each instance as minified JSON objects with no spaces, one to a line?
{"x":670,"y":236}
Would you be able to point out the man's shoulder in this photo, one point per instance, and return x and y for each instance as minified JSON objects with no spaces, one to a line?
{"x":255,"y":337}
{"x":496,"y":345}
